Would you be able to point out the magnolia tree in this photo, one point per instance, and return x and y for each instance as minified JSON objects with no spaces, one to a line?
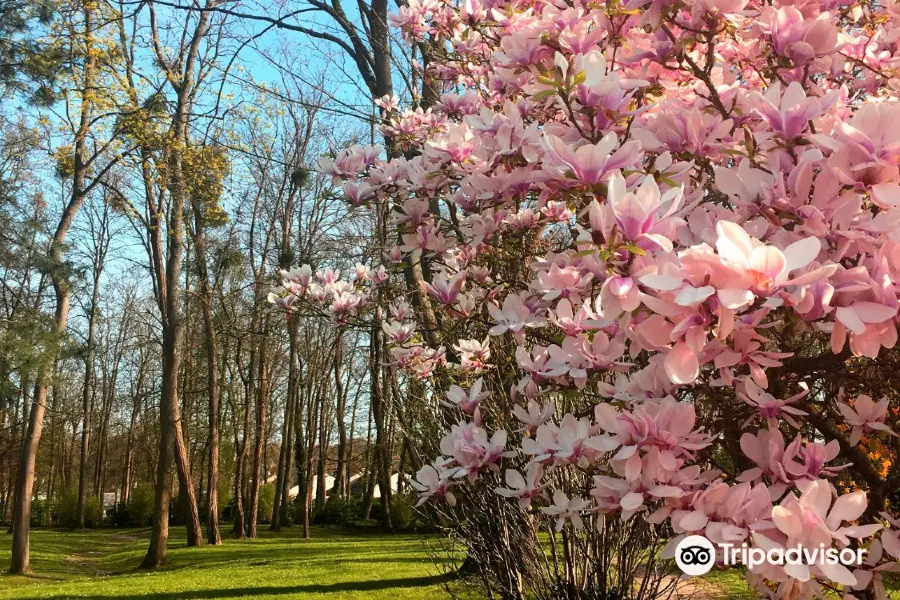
{"x":657,"y":249}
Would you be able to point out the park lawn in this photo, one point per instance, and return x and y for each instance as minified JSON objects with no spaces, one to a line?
{"x":101,"y":565}
{"x":334,"y":564}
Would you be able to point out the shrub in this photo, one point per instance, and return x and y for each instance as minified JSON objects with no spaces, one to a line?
{"x":266,"y":503}
{"x":404,"y":515}
{"x":93,"y":512}
{"x":118,"y":516}
{"x":337,"y":511}
{"x":40,"y":513}
{"x":140,"y":506}
{"x":67,"y":510}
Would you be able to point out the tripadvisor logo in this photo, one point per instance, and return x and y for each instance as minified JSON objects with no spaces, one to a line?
{"x":695,"y":555}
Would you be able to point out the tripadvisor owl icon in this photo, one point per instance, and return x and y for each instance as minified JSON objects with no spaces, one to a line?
{"x":695,"y":555}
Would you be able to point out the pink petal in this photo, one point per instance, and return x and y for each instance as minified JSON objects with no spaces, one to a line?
{"x":733,"y":244}
{"x":872,"y":312}
{"x":838,"y":573}
{"x":848,"y":317}
{"x":886,"y":195}
{"x":632,"y":500}
{"x":848,"y":507}
{"x":801,"y":253}
{"x":681,"y":364}
{"x":768,"y":260}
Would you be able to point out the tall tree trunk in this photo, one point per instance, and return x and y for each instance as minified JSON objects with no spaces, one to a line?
{"x":283,"y":472}
{"x":349,"y":468}
{"x":301,"y":460}
{"x":213,"y":535}
{"x":294,"y":377}
{"x":20,"y":562}
{"x":239,"y":529}
{"x":321,"y":456}
{"x":368,"y":470}
{"x":157,"y":551}
{"x":183,"y":82}
{"x":311,"y":434}
{"x":86,"y":399}
{"x":259,"y":468}
{"x":341,"y":407}
{"x":129,"y":443}
{"x":382,"y":453}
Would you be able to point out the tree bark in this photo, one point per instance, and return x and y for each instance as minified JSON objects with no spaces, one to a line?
{"x":341,"y":402}
{"x":20,"y":562}
{"x":259,"y":469}
{"x":172,"y":317}
{"x":213,"y":535}
{"x":86,"y":401}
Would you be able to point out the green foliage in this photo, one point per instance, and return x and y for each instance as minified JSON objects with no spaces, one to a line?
{"x":266,"y":503}
{"x":67,"y":510}
{"x":140,"y":505}
{"x":337,"y":511}
{"x":404,"y":515}
{"x":93,"y":512}
{"x":27,"y":61}
{"x":40,"y":513}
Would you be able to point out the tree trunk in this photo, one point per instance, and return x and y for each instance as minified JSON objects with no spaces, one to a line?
{"x":213,"y":535}
{"x":341,"y":407}
{"x":382,"y":447}
{"x":294,"y":376}
{"x":86,"y":400}
{"x":284,"y":452}
{"x":156,"y":553}
{"x":259,"y":469}
{"x":21,"y":522}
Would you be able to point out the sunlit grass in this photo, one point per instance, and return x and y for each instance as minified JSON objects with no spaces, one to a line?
{"x":334,"y":564}
{"x":102,"y":565}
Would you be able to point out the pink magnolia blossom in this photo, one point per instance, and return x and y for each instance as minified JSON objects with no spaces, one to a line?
{"x":524,"y":488}
{"x":770,"y":409}
{"x":812,"y":521}
{"x":626,"y":212}
{"x":446,"y":289}
{"x":590,"y":163}
{"x":566,"y":509}
{"x":865,"y":416}
{"x":644,"y":216}
{"x":514,"y":317}
{"x":466,"y":401}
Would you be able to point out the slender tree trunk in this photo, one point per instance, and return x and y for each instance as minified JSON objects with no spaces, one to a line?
{"x":20,"y":562}
{"x":103,"y":444}
{"x":382,"y":457}
{"x":86,"y":402}
{"x":259,"y":469}
{"x":301,"y":460}
{"x":349,"y":467}
{"x":311,"y":434}
{"x":294,"y":375}
{"x":321,"y":456}
{"x":283,"y":452}
{"x":185,"y":482}
{"x":213,"y":535}
{"x":157,"y":552}
{"x":368,"y":470}
{"x":240,"y":530}
{"x":341,"y":407}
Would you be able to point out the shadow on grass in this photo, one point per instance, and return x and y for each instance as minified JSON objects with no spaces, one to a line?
{"x":333,"y":588}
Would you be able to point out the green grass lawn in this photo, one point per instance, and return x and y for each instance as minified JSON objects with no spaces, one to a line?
{"x":332,"y":565}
